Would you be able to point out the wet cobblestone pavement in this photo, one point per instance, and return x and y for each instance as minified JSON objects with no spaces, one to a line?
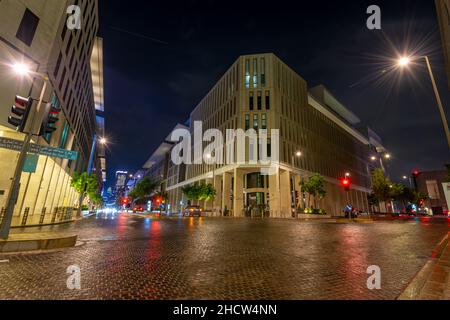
{"x":132,"y":257}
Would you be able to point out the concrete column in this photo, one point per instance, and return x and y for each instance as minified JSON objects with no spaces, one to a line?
{"x":226,"y":193}
{"x":285,"y":185}
{"x":297,"y":179}
{"x":218,"y":198}
{"x":280,"y":195}
{"x":238,"y":196}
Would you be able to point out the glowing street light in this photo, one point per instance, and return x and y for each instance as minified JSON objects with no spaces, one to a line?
{"x":403,"y":62}
{"x":387,"y":156}
{"x":103,"y":141}
{"x":20,"y":69}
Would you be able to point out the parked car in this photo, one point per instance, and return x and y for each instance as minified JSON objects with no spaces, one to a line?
{"x":192,"y":211}
{"x":138,"y":208}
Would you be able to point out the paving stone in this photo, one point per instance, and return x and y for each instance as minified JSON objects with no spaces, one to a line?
{"x":132,"y":257}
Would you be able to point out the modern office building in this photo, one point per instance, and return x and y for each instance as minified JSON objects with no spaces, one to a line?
{"x":261,"y":92}
{"x":36,"y":34}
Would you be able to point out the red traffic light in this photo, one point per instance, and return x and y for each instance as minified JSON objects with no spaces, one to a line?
{"x":416,"y":173}
{"x":345,"y":182}
{"x":125,"y":200}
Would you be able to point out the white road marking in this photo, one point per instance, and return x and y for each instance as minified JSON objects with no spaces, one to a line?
{"x":4,"y":261}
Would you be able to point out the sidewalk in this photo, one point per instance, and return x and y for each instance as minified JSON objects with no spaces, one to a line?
{"x":433,"y":281}
{"x":22,"y":242}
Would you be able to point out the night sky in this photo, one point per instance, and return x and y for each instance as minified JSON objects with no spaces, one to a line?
{"x":162,"y":57}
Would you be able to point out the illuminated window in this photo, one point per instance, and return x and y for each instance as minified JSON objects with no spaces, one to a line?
{"x":263,"y":121}
{"x":255,"y":121}
{"x":247,"y":73}
{"x":255,"y":73}
{"x":263,"y":72}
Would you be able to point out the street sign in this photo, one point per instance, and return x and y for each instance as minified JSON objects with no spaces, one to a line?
{"x":30,"y":164}
{"x":16,"y":145}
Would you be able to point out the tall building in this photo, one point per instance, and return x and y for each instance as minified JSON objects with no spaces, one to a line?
{"x":36,"y":34}
{"x":261,"y":92}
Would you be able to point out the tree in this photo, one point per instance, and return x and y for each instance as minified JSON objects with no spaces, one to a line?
{"x":315,"y":187}
{"x":144,"y":188}
{"x":199,"y":192}
{"x":381,"y":186}
{"x":85,"y":185}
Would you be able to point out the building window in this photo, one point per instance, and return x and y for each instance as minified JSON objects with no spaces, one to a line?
{"x":247,"y":122}
{"x":259,"y":100}
{"x":263,"y":72}
{"x":58,"y":64}
{"x":251,"y":101}
{"x":267,"y":100}
{"x":255,"y":73}
{"x":263,"y":121}
{"x":27,"y":27}
{"x":247,"y":73}
{"x":269,"y":148}
{"x":255,"y":121}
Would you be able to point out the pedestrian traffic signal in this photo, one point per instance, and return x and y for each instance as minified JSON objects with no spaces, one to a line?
{"x":345,"y":182}
{"x":21,"y":109}
{"x":416,"y":173}
{"x":51,"y":117}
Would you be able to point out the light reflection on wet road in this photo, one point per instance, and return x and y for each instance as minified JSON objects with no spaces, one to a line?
{"x":135,"y":257}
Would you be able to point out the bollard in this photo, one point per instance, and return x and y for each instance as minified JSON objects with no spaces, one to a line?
{"x":25,"y":216}
{"x":42,"y":217}
{"x":54,"y":215}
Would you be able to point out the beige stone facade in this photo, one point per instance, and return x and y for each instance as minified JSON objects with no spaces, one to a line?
{"x":261,"y":92}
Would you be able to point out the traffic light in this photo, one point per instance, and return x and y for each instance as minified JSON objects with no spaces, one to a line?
{"x":346,"y":183}
{"x":51,"y":117}
{"x":21,"y":109}
{"x":125,"y":201}
{"x":416,"y":173}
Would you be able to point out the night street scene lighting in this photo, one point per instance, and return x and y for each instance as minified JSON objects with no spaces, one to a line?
{"x":217,"y":159}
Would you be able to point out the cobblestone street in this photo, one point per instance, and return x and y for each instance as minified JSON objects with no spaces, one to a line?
{"x":133,"y":257}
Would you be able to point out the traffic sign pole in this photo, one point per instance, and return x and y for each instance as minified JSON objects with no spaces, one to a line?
{"x":15,"y":184}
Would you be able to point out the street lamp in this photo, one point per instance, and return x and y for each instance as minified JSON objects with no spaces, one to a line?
{"x":403,"y":62}
{"x":21,"y":70}
{"x":408,"y":178}
{"x":298,"y":154}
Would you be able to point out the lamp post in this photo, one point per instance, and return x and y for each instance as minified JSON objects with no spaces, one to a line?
{"x":404,"y":62}
{"x":408,"y":178}
{"x":13,"y":194}
{"x":298,"y":154}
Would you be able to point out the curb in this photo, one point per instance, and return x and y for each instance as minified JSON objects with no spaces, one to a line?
{"x":20,"y":243}
{"x":418,"y":282}
{"x":43,"y":225}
